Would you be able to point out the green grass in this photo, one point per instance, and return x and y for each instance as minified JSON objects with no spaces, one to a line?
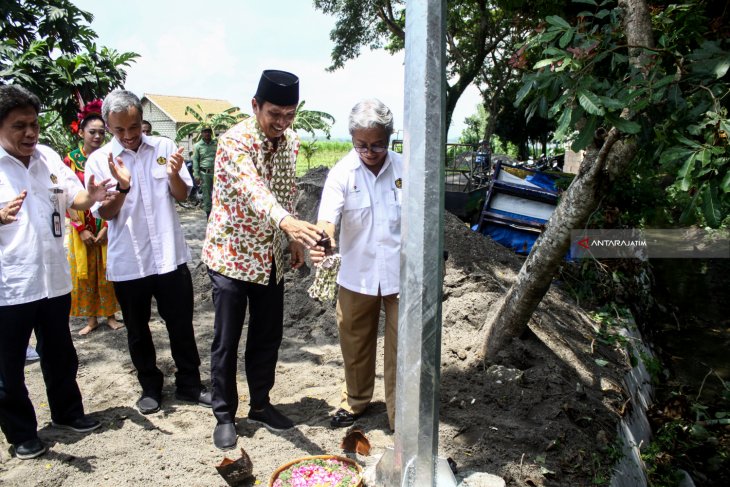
{"x":327,"y":153}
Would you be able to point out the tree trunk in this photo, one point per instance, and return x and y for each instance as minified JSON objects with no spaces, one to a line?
{"x":600,"y":165}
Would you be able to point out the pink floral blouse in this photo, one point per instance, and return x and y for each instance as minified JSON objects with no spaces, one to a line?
{"x":253,"y":190}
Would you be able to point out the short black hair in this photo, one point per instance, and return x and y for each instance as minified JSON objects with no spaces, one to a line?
{"x":15,"y":96}
{"x":206,"y":129}
{"x":145,"y":122}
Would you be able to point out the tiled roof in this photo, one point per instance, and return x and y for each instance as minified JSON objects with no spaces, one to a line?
{"x":174,"y":106}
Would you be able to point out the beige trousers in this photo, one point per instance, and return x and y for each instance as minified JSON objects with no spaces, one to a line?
{"x":357,"y":320}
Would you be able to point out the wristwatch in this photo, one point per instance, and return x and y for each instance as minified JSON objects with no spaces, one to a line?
{"x":123,"y":191}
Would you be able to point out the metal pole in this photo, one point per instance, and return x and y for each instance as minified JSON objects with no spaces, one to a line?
{"x":414,"y":460}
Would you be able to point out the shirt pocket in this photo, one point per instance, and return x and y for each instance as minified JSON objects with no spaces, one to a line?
{"x":159,"y":180}
{"x":394,"y":206}
{"x":357,"y":211}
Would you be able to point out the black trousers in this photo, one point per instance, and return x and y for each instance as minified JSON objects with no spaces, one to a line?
{"x":265,"y":330}
{"x":174,"y":295}
{"x":59,"y":364}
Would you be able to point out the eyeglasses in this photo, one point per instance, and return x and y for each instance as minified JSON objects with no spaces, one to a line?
{"x":375,"y":149}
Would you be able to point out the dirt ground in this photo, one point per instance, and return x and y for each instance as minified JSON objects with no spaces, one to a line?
{"x":544,"y":414}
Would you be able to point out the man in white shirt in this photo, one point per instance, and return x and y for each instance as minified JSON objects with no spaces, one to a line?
{"x":36,"y":188}
{"x":364,"y":191}
{"x":147,"y":255}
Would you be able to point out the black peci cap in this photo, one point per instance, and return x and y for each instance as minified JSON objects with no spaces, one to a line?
{"x":278,"y":87}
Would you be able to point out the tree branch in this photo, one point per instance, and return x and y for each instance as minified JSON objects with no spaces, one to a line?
{"x":389,"y":20}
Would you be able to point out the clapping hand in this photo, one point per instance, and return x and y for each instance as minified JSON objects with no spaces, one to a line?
{"x":120,"y":172}
{"x":98,"y":192}
{"x":175,"y":162}
{"x":9,"y":212}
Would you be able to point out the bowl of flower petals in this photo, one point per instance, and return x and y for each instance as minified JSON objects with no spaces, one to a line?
{"x":319,"y":471}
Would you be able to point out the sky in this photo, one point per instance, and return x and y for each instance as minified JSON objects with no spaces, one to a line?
{"x":218,"y":49}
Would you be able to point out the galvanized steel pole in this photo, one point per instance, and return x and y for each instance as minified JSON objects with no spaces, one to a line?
{"x":414,"y":460}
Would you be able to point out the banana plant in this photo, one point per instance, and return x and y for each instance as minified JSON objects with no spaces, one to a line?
{"x":218,"y":122}
{"x":311,"y":120}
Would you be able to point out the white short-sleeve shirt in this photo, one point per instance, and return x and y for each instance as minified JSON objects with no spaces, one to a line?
{"x":33,"y":263}
{"x":369,"y":207}
{"x":145,"y":237}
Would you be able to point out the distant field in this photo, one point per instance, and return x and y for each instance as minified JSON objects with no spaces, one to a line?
{"x":327,"y":153}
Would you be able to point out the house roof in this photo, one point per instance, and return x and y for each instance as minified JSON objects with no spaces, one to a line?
{"x":174,"y":106}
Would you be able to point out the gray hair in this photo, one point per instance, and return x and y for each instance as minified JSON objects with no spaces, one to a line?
{"x":371,"y":113}
{"x":120,"y":101}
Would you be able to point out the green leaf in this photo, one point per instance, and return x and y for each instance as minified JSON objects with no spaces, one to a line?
{"x":611,"y":103}
{"x":554,"y":51}
{"x":557,"y":21}
{"x":589,"y":2}
{"x":687,"y":166}
{"x":705,"y":157}
{"x":586,"y":134}
{"x":628,"y":126}
{"x":524,"y":91}
{"x":725,"y":184}
{"x":566,"y":38}
{"x":544,"y":62}
{"x":674,"y":154}
{"x":687,"y":215}
{"x":601,"y":363}
{"x":711,"y":206}
{"x":548,"y":36}
{"x":563,"y":64}
{"x":563,"y":124}
{"x":721,"y":68}
{"x":688,"y":142}
{"x":590,"y":103}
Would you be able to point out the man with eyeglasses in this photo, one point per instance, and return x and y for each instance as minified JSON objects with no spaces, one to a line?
{"x":251,"y":216}
{"x":364,"y":191}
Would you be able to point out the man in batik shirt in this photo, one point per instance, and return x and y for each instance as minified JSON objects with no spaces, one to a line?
{"x":253,"y":198}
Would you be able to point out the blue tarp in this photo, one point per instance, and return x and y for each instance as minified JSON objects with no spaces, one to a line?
{"x":521,"y":241}
{"x":545,"y":181}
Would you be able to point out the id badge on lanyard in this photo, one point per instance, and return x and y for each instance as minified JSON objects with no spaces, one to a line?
{"x":56,"y":215}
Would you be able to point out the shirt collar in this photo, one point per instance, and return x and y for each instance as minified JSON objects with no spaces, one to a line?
{"x":118,"y":148}
{"x":265,"y":144}
{"x":355,"y":163}
{"x":35,"y":155}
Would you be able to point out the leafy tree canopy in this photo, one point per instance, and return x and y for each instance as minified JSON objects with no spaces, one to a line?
{"x":474,"y":28}
{"x":49,"y":47}
{"x":674,"y":101}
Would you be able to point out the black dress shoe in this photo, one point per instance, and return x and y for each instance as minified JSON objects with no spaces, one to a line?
{"x":343,"y":419}
{"x":84,"y":424}
{"x":271,"y":418}
{"x":148,"y":405}
{"x":225,"y":436}
{"x":202,"y":398}
{"x":30,"y":449}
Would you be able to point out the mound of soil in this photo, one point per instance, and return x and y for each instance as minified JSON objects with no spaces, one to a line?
{"x":543,"y":414}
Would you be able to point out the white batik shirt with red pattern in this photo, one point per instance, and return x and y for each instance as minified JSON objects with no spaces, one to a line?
{"x":253,"y":190}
